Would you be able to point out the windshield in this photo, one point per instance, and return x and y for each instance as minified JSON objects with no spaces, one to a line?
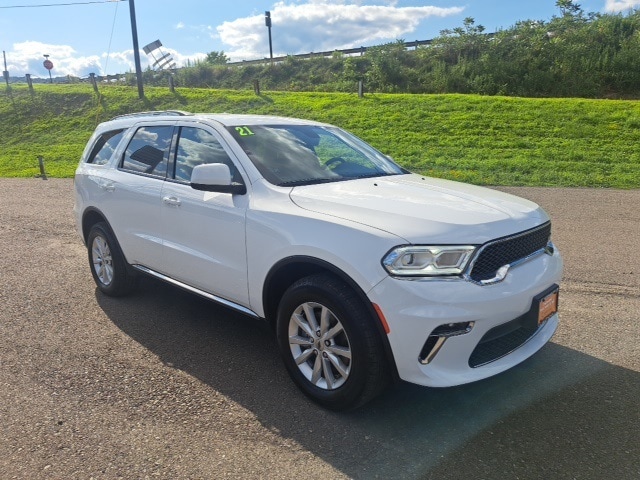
{"x":291,"y":155}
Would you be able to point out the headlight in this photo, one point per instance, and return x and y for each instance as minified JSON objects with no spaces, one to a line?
{"x":423,"y":261}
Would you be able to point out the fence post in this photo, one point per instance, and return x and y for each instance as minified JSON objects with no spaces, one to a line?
{"x":27,"y":76}
{"x":92,"y":77}
{"x":172,"y":84}
{"x":360,"y":88}
{"x":256,"y":87}
{"x":43,"y":174}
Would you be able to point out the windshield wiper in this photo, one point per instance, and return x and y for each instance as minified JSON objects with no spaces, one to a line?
{"x":308,"y":181}
{"x":372,"y":175}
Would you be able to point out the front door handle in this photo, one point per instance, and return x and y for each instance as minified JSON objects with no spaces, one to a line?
{"x":172,"y":201}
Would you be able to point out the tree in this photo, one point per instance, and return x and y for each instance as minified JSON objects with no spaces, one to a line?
{"x":568,"y":7}
{"x":216,"y":58}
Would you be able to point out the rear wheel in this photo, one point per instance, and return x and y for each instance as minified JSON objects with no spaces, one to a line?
{"x":108,"y":265}
{"x":329,"y":343}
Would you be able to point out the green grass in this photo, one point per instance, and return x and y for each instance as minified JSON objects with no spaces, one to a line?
{"x":482,"y":140}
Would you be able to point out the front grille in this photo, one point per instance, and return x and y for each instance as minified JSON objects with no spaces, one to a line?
{"x":508,"y":250}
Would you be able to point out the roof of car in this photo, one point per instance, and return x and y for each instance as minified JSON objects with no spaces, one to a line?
{"x":229,"y":119}
{"x":226,"y":119}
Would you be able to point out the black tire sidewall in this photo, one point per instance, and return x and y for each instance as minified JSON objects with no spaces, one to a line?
{"x":122,"y":281}
{"x":342,"y":301}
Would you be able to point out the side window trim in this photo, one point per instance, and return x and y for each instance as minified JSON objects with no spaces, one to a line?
{"x":173,"y":153}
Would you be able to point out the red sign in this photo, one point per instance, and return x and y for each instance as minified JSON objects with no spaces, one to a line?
{"x":48,"y":64}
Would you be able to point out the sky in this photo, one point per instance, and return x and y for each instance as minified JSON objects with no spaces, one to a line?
{"x":94,"y":36}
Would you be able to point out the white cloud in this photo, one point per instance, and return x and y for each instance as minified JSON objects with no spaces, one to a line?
{"x":323,"y":25}
{"x":119,"y":62}
{"x":27,"y":57}
{"x":181,"y":60}
{"x":299,"y":26}
{"x":614,"y":6}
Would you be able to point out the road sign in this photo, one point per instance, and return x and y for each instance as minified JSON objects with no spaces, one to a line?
{"x":48,"y":64}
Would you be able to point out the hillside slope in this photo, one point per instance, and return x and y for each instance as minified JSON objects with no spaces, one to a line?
{"x":483,"y":140}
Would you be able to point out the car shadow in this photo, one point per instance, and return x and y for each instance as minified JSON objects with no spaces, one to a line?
{"x":561,"y":414}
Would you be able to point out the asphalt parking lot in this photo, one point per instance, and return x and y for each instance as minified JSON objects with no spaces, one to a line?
{"x":163,"y":384}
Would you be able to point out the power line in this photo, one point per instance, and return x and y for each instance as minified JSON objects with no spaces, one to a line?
{"x":61,"y":4}
{"x":113,"y":26}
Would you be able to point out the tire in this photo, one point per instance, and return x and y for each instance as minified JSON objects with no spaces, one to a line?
{"x":329,"y":343}
{"x":108,"y":266}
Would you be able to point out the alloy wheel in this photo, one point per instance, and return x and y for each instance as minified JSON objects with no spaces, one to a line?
{"x":319,"y":345}
{"x":102,"y":260}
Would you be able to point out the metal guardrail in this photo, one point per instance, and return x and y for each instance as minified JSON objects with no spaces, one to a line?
{"x":260,"y":61}
{"x":329,"y":53}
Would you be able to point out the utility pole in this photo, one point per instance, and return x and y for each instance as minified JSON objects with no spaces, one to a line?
{"x":267,"y":22}
{"x":136,"y":50}
{"x":5,"y":73}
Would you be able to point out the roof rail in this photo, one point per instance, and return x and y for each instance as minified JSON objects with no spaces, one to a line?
{"x":178,"y":113}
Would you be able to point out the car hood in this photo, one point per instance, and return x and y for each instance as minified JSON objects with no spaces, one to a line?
{"x":422,"y":209}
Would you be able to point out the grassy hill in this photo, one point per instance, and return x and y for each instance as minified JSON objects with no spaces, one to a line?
{"x":483,"y":140}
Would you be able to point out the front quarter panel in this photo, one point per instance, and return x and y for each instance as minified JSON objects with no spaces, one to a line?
{"x":277,"y":229}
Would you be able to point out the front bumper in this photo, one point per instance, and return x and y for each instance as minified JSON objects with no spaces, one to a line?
{"x":414,"y":309}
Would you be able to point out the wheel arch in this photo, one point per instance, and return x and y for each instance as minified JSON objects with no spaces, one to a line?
{"x":287,"y":271}
{"x":90,"y":217}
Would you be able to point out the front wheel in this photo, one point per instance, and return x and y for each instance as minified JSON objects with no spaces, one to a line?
{"x":329,"y":343}
{"x":108,"y":265}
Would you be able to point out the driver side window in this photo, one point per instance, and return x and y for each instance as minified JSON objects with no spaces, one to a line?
{"x":196,"y":147}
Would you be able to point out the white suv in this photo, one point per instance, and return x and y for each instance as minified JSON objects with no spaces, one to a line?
{"x":367,"y":272}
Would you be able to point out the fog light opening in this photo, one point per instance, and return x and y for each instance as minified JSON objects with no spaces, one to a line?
{"x":436,"y":339}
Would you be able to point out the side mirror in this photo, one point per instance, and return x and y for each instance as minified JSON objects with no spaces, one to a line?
{"x":215,"y":177}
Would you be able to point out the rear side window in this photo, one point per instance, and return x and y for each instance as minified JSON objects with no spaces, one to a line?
{"x":104,"y":147}
{"x":148,"y":151}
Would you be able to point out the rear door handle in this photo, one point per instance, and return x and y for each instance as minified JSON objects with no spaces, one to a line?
{"x":172,"y":201}
{"x":108,"y":187}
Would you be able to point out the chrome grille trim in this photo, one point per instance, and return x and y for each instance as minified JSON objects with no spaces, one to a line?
{"x":538,"y":247}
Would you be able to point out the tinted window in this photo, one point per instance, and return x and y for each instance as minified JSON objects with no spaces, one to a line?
{"x":196,"y":147}
{"x":308,"y":154}
{"x":104,"y":147}
{"x":148,"y":151}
